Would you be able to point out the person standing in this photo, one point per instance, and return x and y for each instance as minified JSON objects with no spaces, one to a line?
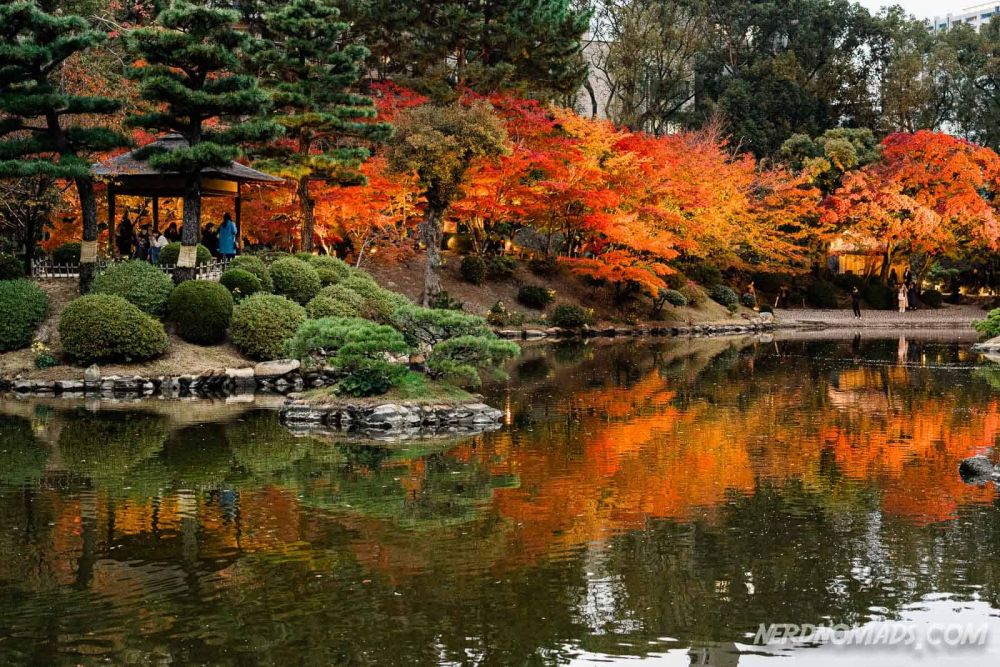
{"x":227,"y":237}
{"x":160,"y":242}
{"x":173,"y":236}
{"x":141,"y":245}
{"x":125,"y":235}
{"x":210,"y":239}
{"x":902,"y":297}
{"x":856,"y":302}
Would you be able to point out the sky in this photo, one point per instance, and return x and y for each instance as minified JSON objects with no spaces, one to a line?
{"x":925,"y":8}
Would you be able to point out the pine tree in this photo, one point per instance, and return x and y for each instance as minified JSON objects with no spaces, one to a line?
{"x":309,"y":74}
{"x":191,"y":74}
{"x":41,"y":132}
{"x":439,"y":46}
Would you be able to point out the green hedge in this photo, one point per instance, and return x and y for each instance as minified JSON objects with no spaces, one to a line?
{"x":295,"y":279}
{"x":140,"y":283}
{"x":473,"y":269}
{"x":932,"y":298}
{"x":534,"y":296}
{"x":571,"y":316}
{"x":879,"y":296}
{"x":23,"y":305}
{"x":378,"y":303}
{"x":11,"y":267}
{"x":822,"y":294}
{"x":172,"y":251}
{"x":240,"y":283}
{"x":256,"y":266}
{"x":104,"y":327}
{"x":725,"y":296}
{"x":66,"y":254}
{"x":201,"y":310}
{"x":674,"y":297}
{"x":331,"y":269}
{"x":262,"y":323}
{"x":326,"y":306}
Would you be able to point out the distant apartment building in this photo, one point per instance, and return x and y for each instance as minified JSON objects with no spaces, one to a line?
{"x":976,"y":16}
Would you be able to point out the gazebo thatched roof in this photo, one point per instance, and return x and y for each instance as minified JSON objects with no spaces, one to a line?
{"x":133,"y":176}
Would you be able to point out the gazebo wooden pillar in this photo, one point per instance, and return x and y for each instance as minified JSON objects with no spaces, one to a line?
{"x":132,"y":176}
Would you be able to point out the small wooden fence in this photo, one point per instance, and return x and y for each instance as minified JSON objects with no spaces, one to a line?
{"x":44,"y":269}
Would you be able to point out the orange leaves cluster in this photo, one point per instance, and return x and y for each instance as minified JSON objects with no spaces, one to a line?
{"x":930,"y":193}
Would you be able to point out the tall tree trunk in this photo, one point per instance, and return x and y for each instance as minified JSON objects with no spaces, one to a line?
{"x":187,"y":261}
{"x":88,"y":249}
{"x":307,"y":207}
{"x":431,"y":234}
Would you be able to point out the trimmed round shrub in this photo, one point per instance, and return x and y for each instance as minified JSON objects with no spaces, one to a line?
{"x":105,"y":327}
{"x":262,"y":323}
{"x":333,"y":268}
{"x":139,"y":283}
{"x":500,"y":267}
{"x":990,"y":326}
{"x":822,"y":294}
{"x":534,"y":296}
{"x":748,"y":300}
{"x":201,"y":309}
{"x":256,"y":266}
{"x":473,"y":269}
{"x":724,"y":295}
{"x":879,"y":296}
{"x":571,"y":316}
{"x":67,"y":254}
{"x":172,"y":251}
{"x":240,"y":283}
{"x":304,"y":256}
{"x":326,"y":306}
{"x":11,"y":267}
{"x":543,"y":266}
{"x":341,"y":292}
{"x":694,"y":294}
{"x":24,"y":305}
{"x":378,"y":303}
{"x":932,"y":298}
{"x":295,"y":279}
{"x":674,"y":297}
{"x":328,"y":277}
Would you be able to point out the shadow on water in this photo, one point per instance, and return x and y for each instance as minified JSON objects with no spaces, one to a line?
{"x":654,"y":498}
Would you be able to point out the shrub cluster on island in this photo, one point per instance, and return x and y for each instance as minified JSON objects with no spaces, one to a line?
{"x":316,"y":309}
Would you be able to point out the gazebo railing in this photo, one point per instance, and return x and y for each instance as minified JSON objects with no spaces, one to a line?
{"x":45,"y":269}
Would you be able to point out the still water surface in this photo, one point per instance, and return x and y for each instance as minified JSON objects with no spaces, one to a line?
{"x":652,"y":501}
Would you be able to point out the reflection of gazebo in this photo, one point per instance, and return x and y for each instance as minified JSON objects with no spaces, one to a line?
{"x":128,"y":175}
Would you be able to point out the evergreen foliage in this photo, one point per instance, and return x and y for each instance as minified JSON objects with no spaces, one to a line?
{"x":139,"y":283}
{"x":104,"y":327}
{"x":295,"y":279}
{"x":256,"y":266}
{"x":426,"y":327}
{"x":461,"y":360}
{"x":201,"y":309}
{"x":191,"y":77}
{"x":240,"y":283}
{"x":309,"y":73}
{"x":39,"y":119}
{"x":262,"y":323}
{"x":24,"y":306}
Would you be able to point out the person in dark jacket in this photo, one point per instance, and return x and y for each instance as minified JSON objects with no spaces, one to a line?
{"x":210,"y":239}
{"x":856,"y":302}
{"x":126,"y":233}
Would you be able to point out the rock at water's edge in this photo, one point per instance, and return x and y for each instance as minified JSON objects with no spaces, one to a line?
{"x":976,"y":470}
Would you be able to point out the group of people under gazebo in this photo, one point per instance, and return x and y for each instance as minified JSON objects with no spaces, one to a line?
{"x":145,"y":242}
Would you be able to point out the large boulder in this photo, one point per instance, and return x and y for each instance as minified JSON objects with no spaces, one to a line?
{"x":274,"y":369}
{"x":991,"y":345}
{"x":976,"y":470}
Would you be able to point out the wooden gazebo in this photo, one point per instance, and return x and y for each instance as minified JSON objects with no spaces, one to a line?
{"x":130,"y":176}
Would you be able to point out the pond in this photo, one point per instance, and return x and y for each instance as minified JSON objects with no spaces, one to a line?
{"x":656,"y":500}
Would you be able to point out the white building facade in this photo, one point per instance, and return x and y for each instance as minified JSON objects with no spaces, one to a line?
{"x":976,"y":16}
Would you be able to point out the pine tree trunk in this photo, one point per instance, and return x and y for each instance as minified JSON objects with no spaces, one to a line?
{"x":88,"y":249}
{"x":430,"y":234}
{"x":307,"y":207}
{"x":191,"y":229}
